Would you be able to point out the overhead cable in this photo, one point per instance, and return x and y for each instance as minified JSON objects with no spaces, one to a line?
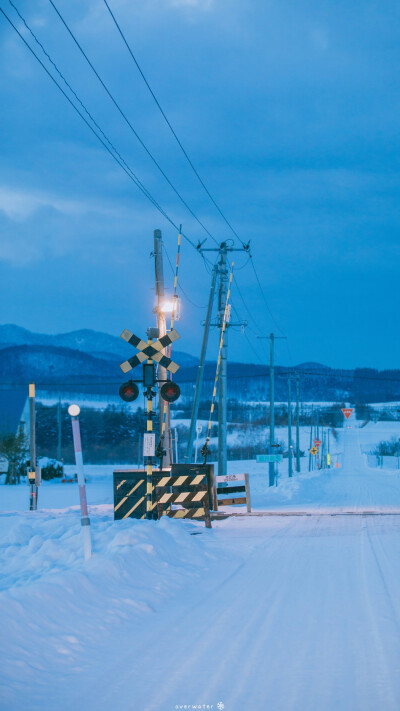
{"x":169,"y":123}
{"x":129,"y":124}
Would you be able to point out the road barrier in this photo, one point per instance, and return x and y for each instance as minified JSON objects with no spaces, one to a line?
{"x":130,"y":488}
{"x":188,"y":491}
{"x":191,"y":486}
{"x":231,"y":490}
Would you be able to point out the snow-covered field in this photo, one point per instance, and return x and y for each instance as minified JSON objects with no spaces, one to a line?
{"x":283,"y":612}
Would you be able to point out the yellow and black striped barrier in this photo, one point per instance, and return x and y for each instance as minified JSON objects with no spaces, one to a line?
{"x":192,"y":490}
{"x":130,"y":492}
{"x":194,"y":498}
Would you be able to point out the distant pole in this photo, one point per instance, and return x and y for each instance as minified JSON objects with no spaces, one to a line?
{"x":290,"y":428}
{"x":297,"y":424}
{"x":271,"y":465}
{"x":271,"y":408}
{"x":329,"y":448}
{"x":74,"y":411}
{"x":33,"y":496}
{"x":311,"y":439}
{"x":59,"y":429}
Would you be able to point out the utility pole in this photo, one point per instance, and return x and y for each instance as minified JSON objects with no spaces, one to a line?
{"x":290,"y":428}
{"x":271,"y":465}
{"x":297,"y":424}
{"x":290,"y":450}
{"x":222,"y":273}
{"x":223,"y":367}
{"x":329,"y":449}
{"x":59,"y":429}
{"x":310,"y":456}
{"x":271,"y":408}
{"x":162,"y":328}
{"x":32,"y":450}
{"x":200,"y":370}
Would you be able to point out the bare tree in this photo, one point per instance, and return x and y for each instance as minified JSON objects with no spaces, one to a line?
{"x":14,"y":448}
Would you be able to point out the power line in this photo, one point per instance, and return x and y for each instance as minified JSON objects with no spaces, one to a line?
{"x":116,"y":156}
{"x":127,"y":121}
{"x":245,"y":334}
{"x":313,"y":374}
{"x":169,"y":124}
{"x":83,"y":106}
{"x":243,"y":301}
{"x":265,"y":298}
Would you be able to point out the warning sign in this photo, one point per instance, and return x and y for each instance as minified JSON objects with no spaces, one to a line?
{"x":314,"y":451}
{"x":347,"y":412}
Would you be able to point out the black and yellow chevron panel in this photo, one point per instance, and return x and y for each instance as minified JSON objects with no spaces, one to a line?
{"x":187,"y":513}
{"x":130,"y":493}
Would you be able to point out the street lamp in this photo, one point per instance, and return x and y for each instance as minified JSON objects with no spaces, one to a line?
{"x":74,"y":411}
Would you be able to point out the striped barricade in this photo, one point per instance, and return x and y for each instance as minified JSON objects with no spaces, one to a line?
{"x":232,"y":492}
{"x":189,"y":492}
{"x":130,"y":492}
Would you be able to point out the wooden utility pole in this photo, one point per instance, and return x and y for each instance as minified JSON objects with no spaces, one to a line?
{"x":162,"y":328}
{"x":223,"y":324}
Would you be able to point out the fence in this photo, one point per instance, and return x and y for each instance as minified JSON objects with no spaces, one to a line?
{"x":383,"y":462}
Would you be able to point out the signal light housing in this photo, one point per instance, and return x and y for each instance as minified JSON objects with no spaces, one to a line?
{"x":170,"y":391}
{"x":129,"y":391}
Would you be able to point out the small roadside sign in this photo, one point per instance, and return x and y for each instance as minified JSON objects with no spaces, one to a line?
{"x":149,"y":444}
{"x":263,"y":458}
{"x":347,"y":411}
{"x":317,"y":442}
{"x":314,"y":451}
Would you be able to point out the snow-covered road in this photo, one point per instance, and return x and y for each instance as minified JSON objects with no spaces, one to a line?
{"x":264,"y":612}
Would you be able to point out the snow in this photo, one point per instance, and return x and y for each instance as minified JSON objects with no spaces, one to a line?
{"x":276,"y":611}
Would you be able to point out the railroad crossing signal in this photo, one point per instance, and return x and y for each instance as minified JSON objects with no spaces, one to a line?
{"x":129,"y":391}
{"x":147,"y":351}
{"x":314,"y":451}
{"x":347,"y":412}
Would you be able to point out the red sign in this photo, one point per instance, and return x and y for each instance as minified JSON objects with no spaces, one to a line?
{"x":347,"y":412}
{"x":317,"y":442}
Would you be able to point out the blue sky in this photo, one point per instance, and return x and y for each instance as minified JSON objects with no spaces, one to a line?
{"x":289,"y":112}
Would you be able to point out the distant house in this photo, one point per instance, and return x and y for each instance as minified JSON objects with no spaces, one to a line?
{"x":14,"y":411}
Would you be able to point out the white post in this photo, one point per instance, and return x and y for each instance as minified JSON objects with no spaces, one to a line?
{"x":74,"y":411}
{"x":176,"y":445}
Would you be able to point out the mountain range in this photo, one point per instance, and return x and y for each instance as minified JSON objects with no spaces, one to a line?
{"x":89,"y":360}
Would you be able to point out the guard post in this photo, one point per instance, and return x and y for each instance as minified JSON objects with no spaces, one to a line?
{"x":74,"y":411}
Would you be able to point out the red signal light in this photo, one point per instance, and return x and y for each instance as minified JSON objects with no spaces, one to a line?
{"x":170,"y":392}
{"x":129,"y":391}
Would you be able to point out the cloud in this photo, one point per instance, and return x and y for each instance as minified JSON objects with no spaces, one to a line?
{"x":19,"y":205}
